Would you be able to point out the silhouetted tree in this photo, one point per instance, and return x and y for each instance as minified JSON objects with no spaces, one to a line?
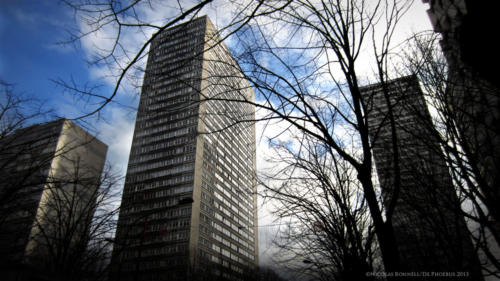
{"x":422,"y":55}
{"x":307,"y":75}
{"x":73,"y":227}
{"x":330,"y":235}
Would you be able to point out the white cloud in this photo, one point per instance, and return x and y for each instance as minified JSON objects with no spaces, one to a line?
{"x":265,"y":218}
{"x":117,"y":133}
{"x":270,"y":226}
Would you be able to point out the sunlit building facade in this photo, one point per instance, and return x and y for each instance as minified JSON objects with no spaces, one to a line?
{"x":50,"y":178}
{"x":189,"y":203}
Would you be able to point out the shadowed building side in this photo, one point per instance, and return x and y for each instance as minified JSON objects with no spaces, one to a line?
{"x":430,"y":230}
{"x":473,"y":89}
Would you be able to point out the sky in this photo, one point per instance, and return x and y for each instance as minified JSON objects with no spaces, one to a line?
{"x":32,"y":57}
{"x":29,"y":53}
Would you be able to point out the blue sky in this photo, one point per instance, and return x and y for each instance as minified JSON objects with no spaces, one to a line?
{"x":29,"y":52}
{"x":31,"y":55}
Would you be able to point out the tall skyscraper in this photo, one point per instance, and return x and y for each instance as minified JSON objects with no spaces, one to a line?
{"x":189,"y":202}
{"x":430,"y":230}
{"x":50,"y":176}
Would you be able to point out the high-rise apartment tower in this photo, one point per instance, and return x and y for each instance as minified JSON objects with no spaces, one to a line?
{"x":189,"y":202}
{"x":50,"y":180}
{"x":430,"y":230}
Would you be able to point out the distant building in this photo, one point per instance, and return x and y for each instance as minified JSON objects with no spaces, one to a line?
{"x":50,"y":173}
{"x":189,"y":203}
{"x":430,"y":230}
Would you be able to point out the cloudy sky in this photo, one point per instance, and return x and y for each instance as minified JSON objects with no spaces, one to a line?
{"x":32,"y":57}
